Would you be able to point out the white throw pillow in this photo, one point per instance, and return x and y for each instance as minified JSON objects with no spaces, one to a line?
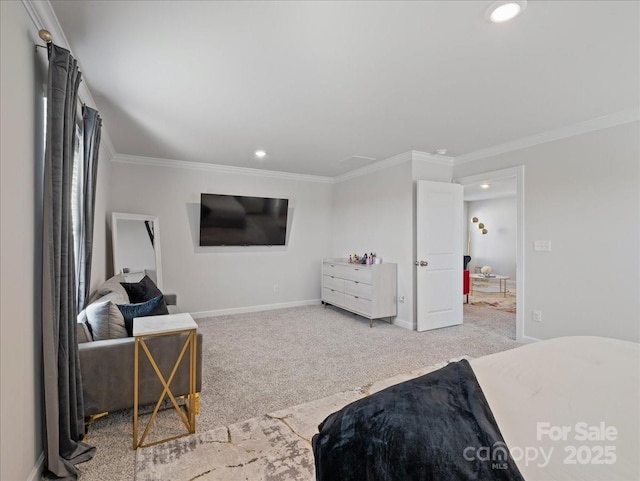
{"x":106,"y":321}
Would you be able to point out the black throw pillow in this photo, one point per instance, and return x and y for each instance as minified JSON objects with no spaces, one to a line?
{"x":142,"y":291}
{"x":153,"y":307}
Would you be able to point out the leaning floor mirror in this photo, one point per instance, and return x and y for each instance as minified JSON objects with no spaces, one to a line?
{"x":136,"y":247}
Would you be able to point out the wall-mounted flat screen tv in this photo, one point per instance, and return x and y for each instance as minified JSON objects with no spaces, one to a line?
{"x":236,"y":220}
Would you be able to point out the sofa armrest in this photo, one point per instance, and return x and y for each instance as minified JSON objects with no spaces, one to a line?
{"x":107,"y":371}
{"x":82,"y":333}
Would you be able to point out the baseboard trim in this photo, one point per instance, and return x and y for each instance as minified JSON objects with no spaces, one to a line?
{"x":529,"y":340}
{"x":36,"y":472}
{"x":402,"y":323}
{"x":247,"y":309}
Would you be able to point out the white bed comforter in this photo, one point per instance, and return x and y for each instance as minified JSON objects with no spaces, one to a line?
{"x":568,"y":408}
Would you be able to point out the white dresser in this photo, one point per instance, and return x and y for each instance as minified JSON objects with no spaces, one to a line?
{"x":367,"y":290}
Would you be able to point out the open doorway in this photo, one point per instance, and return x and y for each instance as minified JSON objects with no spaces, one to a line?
{"x":493,"y":237}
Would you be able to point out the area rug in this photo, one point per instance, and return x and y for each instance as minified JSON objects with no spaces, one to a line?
{"x":495,"y":300}
{"x":272,"y":447}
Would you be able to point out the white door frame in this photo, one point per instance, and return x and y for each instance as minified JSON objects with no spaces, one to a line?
{"x":518,"y":173}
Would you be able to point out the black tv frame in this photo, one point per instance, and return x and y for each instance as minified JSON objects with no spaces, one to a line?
{"x":238,"y":220}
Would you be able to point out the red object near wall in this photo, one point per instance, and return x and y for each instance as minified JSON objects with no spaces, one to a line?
{"x":465,"y":283}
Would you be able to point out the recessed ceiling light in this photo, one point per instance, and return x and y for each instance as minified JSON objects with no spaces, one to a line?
{"x":505,"y":10}
{"x":485,"y":186}
{"x":441,"y":151}
{"x":260,"y":154}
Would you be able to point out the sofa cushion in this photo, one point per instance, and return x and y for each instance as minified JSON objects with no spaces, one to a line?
{"x":111,"y":285}
{"x":116,"y":297}
{"x":142,"y":291}
{"x":106,"y":320}
{"x":153,"y":307}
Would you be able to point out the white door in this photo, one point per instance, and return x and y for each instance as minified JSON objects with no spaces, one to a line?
{"x":439,"y":254}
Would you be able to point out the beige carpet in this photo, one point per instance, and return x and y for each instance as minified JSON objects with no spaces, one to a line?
{"x":263,"y":362}
{"x":272,"y":447}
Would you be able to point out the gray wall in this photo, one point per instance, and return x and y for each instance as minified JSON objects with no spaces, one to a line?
{"x":497,"y":248}
{"x":373,"y":213}
{"x":21,"y":86}
{"x":581,"y":193}
{"x":219,"y":280}
{"x":22,"y":83}
{"x":376,"y":212}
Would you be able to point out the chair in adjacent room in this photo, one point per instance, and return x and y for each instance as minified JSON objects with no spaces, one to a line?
{"x":465,"y":277}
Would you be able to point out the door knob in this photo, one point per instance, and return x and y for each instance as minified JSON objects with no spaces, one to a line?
{"x":422,"y":263}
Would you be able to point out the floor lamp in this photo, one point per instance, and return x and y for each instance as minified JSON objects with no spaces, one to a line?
{"x":482,"y":229}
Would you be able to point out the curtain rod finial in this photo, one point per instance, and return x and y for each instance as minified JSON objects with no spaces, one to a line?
{"x":45,"y":35}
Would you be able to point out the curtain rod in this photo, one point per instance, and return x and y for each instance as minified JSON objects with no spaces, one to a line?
{"x":46,"y":36}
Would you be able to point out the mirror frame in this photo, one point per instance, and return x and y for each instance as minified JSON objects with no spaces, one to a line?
{"x":115,"y":216}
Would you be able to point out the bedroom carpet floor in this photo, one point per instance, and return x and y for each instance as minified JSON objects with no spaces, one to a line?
{"x":272,"y":447}
{"x":265,"y":362}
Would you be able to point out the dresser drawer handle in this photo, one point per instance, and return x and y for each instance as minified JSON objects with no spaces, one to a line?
{"x":356,"y":282}
{"x":356,"y":297}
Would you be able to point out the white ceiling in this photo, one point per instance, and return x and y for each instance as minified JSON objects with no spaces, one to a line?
{"x":315,"y":83}
{"x":503,"y":187}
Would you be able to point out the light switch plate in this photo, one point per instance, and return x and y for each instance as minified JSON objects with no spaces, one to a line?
{"x":542,"y":246}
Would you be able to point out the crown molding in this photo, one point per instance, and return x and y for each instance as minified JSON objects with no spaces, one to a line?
{"x":433,"y":158}
{"x":604,"y":122}
{"x":397,"y":160}
{"x":43,"y":16}
{"x":221,"y":169}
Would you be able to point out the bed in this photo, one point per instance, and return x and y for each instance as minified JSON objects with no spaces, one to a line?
{"x":562,"y":409}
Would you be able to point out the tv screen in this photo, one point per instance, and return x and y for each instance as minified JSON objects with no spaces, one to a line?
{"x":236,"y":220}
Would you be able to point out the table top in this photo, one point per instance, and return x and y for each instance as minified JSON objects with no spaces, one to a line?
{"x":143,"y":326}
{"x":482,"y":276}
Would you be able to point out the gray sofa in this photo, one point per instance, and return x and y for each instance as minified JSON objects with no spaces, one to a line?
{"x":107,"y":363}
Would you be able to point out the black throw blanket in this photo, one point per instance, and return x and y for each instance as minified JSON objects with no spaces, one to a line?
{"x":435,"y":427}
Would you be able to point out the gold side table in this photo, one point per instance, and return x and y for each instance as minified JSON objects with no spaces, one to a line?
{"x":152,"y":326}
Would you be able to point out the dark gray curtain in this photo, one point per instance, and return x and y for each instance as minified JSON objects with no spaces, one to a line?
{"x":92,"y":124}
{"x":63,"y":403}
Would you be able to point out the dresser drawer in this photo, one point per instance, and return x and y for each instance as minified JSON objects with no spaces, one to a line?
{"x":360,"y":274}
{"x":358,"y":289}
{"x":332,"y":296}
{"x":358,"y":304}
{"x":335,"y":270}
{"x":331,"y":282}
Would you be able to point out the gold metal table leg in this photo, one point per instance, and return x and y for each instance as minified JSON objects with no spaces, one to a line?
{"x":192,"y":397}
{"x":135,"y":392}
